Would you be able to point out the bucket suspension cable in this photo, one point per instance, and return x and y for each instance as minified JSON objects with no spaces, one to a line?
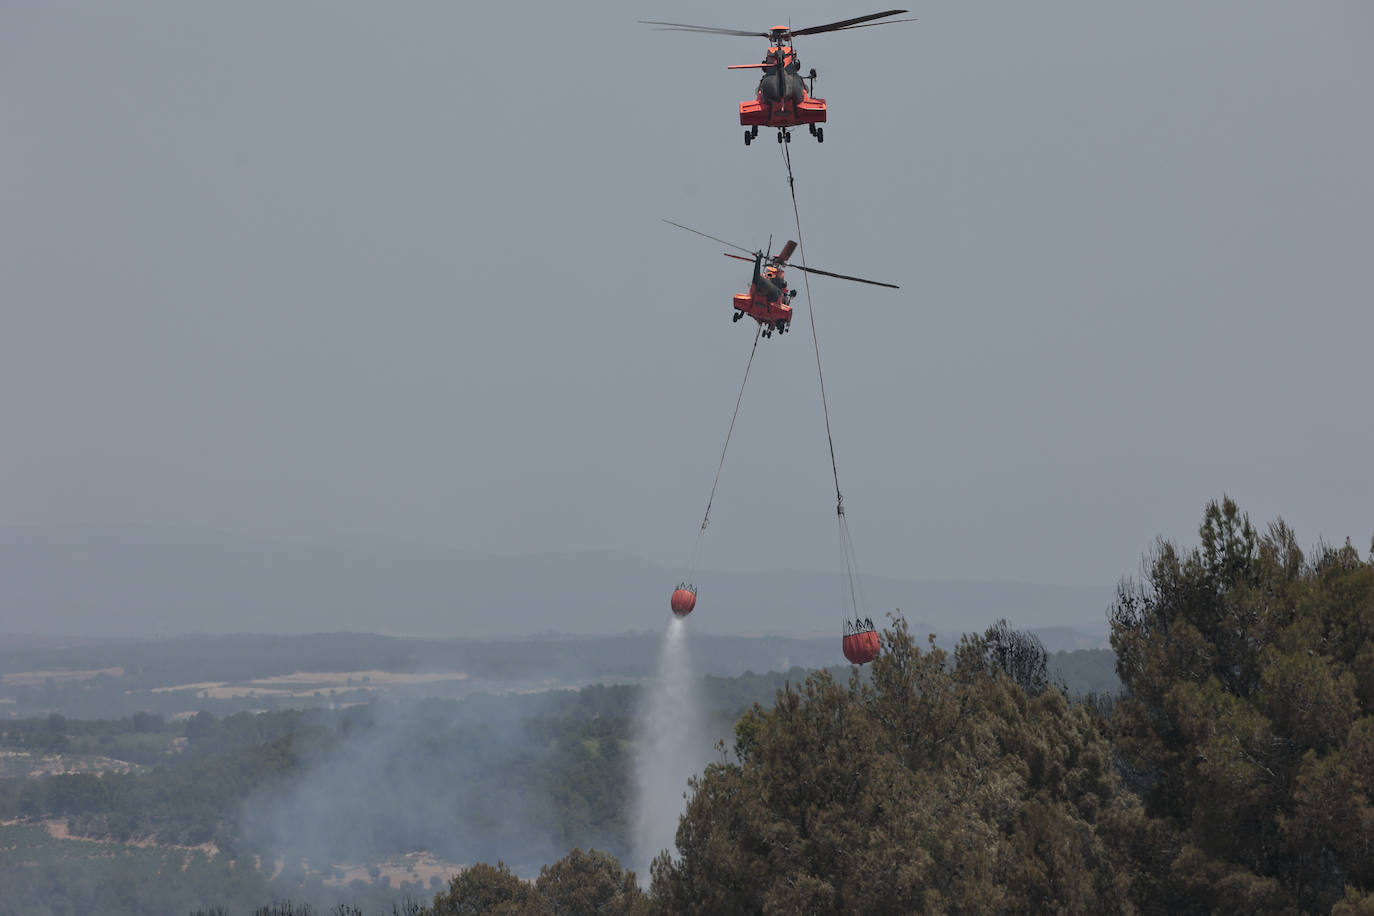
{"x":854,"y":603}
{"x":815,"y":341}
{"x":695,"y":561}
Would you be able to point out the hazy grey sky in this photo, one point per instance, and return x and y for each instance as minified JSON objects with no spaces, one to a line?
{"x":320,"y":269}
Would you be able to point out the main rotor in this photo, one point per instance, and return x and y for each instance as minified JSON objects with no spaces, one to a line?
{"x":781,"y":34}
{"x":779,"y":259}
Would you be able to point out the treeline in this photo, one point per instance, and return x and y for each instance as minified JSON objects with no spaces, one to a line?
{"x":191,"y":778}
{"x":465,"y":771}
{"x":1234,"y":776}
{"x":127,"y":738}
{"x":187,"y":803}
{"x":41,"y":876}
{"x":197,"y":795}
{"x":138,"y":674}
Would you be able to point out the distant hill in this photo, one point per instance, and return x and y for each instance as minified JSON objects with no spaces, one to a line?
{"x":140,"y":581}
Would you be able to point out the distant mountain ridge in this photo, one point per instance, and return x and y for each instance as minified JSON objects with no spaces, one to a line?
{"x":118,"y":581}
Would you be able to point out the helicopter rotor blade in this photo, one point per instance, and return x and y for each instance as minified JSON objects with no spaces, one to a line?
{"x":865,"y":25}
{"x":737,"y":257}
{"x":826,"y":273}
{"x":844,"y":23}
{"x":709,"y":30}
{"x":858,"y":22}
{"x":786,"y":252}
{"x":713,"y":238}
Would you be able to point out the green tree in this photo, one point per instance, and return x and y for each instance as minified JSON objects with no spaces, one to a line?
{"x":1018,"y":654}
{"x":931,"y":787}
{"x":590,"y":882}
{"x":1247,"y":729}
{"x":485,"y":889}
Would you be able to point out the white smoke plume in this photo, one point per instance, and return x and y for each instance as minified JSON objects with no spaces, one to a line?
{"x":466,"y":782}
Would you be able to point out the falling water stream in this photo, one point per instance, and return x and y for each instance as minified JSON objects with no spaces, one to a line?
{"x":672,"y":745}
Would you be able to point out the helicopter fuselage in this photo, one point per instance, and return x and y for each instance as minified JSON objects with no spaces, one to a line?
{"x":774,"y":315}
{"x":782,"y":100}
{"x":767,"y":301}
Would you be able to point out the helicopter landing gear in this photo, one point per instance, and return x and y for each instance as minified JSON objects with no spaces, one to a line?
{"x":736,"y":317}
{"x":818,"y":133}
{"x":782,"y":327}
{"x":780,"y":133}
{"x":754,"y":131}
{"x":748,"y":136}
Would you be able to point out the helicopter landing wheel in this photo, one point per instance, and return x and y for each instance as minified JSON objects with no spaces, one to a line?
{"x":754,"y":131}
{"x":787,"y":136}
{"x":820,"y":134}
{"x":747,"y":137}
{"x":779,"y":135}
{"x":736,"y":317}
{"x":812,"y":128}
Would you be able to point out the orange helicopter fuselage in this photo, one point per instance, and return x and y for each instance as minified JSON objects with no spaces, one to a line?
{"x":771,"y":312}
{"x":787,"y":109}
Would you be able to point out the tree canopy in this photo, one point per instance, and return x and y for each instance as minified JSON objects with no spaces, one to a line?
{"x":938,"y":785}
{"x":1250,"y":669}
{"x":579,"y":883}
{"x":1234,"y":775}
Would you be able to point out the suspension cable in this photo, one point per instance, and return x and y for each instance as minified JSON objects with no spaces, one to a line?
{"x":811,"y":313}
{"x":854,"y":595}
{"x":706,"y":519}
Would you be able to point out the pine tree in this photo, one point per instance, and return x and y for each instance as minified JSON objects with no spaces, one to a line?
{"x":1248,"y":730}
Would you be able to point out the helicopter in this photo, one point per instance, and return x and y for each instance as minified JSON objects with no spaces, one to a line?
{"x":769,"y":301}
{"x":783,"y":99}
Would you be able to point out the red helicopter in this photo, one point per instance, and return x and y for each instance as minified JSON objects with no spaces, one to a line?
{"x":769,"y":300}
{"x":783,"y":100}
